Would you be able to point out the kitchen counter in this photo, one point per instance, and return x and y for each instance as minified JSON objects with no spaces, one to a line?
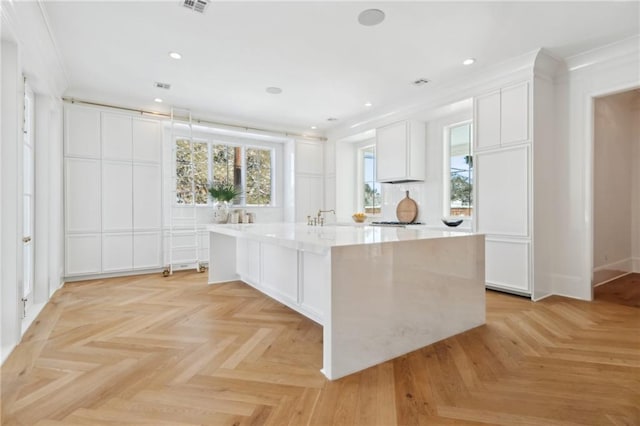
{"x":320,"y":239}
{"x":378,"y":292}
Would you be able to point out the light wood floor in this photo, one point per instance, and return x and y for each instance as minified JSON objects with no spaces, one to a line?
{"x":624,"y":290}
{"x":173,"y":351}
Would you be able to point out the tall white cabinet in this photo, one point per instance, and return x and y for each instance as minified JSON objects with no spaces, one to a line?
{"x":502,"y":161}
{"x":113,"y":192}
{"x":309,"y":183}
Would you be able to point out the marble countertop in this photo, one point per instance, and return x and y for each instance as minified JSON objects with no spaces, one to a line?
{"x":322,"y":238}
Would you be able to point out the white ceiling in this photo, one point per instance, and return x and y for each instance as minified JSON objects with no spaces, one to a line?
{"x":326,"y":63}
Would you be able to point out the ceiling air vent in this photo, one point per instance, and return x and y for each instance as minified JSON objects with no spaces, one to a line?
{"x":196,"y":5}
{"x":159,"y":85}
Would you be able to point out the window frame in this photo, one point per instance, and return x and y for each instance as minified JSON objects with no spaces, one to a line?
{"x":212,"y":140}
{"x":446,"y":167}
{"x":361,"y":149}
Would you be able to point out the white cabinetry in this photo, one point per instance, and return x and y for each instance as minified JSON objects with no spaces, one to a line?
{"x":400,"y":152}
{"x":297,"y":278}
{"x":503,"y":185}
{"x":113,"y":198}
{"x":309,"y":188}
{"x":502,"y":117}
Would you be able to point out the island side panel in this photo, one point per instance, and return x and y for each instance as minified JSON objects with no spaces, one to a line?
{"x":222,"y":258}
{"x":389,"y":299}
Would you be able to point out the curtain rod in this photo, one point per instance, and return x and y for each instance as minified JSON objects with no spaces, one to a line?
{"x":195,"y":120}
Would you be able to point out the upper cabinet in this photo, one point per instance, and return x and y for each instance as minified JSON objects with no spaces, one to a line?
{"x":400,"y":152}
{"x":82,"y":132}
{"x":502,"y":117}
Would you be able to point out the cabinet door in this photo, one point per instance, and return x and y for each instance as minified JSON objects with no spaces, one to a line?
{"x":116,"y":196}
{"x":507,"y":265}
{"x":147,"y":196}
{"x":502,"y":181}
{"x":487,"y":121}
{"x":83,"y":254}
{"x":147,"y":141}
{"x":309,"y":196}
{"x":391,"y":152}
{"x":514,"y":122}
{"x":117,"y":252}
{"x":309,"y":157}
{"x":81,"y":132}
{"x":147,"y":250}
{"x":116,"y":137}
{"x":82,"y":195}
{"x":280,"y":272}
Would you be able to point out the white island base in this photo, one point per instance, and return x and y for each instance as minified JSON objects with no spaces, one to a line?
{"x":378,"y":292}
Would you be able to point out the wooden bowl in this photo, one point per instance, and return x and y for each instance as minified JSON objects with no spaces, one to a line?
{"x":359,"y":218}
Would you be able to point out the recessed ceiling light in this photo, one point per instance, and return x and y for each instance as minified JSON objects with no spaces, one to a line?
{"x":158,"y":100}
{"x":371,"y":17}
{"x":175,"y":55}
{"x":274,"y":90}
{"x":314,"y":127}
{"x":368,"y":104}
{"x":468,"y":61}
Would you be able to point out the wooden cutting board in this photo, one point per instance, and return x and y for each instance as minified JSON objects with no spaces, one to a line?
{"x":407,"y":209}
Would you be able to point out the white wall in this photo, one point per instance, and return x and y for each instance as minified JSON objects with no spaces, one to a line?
{"x":635,"y":186}
{"x":28,"y":51}
{"x":602,"y":71}
{"x":612,"y":182}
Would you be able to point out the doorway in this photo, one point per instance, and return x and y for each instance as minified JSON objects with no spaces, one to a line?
{"x":616,"y":195}
{"x":28,"y":210}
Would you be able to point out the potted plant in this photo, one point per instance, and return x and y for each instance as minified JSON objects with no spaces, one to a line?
{"x":222,"y":193}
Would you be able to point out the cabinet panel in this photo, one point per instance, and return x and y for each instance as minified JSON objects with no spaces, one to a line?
{"x":248,"y":260}
{"x":391,"y":152}
{"x":82,"y":132}
{"x":278,"y":273}
{"x":515,"y":114}
{"x":147,"y":196}
{"x":82,"y":195}
{"x":309,"y":196}
{"x":507,"y":264}
{"x":309,"y":157}
{"x":83,"y":254}
{"x":147,"y":250}
{"x":503,"y":192}
{"x":117,"y":252}
{"x":487,"y":121}
{"x":316,"y":284}
{"x":147,"y":141}
{"x":116,"y":196}
{"x":116,"y":137}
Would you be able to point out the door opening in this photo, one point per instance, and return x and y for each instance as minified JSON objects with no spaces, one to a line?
{"x":28,"y":173}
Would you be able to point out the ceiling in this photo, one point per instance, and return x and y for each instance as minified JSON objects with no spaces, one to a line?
{"x":327,"y":64}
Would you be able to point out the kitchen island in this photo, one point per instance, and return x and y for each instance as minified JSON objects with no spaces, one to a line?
{"x":378,"y":292}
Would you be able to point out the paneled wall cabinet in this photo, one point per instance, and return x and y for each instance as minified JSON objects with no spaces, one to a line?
{"x":502,"y":117}
{"x":309,"y":177}
{"x":113,"y":192}
{"x":503,"y":185}
{"x":400,"y":152}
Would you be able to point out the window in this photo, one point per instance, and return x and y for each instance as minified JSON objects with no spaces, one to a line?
{"x":460,"y":171}
{"x":248,"y":168}
{"x":371,"y":195}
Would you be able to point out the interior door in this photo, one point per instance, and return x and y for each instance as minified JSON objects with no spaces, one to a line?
{"x":28,"y":171}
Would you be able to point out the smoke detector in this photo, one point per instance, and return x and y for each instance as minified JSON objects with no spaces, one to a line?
{"x":196,"y":5}
{"x":160,"y":85}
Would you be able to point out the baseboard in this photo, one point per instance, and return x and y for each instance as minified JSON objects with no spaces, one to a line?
{"x":635,"y":263}
{"x":624,"y":265}
{"x":5,"y":351}
{"x":112,"y":275}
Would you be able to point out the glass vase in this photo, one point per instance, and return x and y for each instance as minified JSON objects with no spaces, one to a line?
{"x":220,"y":211}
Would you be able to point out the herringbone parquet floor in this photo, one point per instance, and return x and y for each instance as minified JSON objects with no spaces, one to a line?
{"x":149,"y":350}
